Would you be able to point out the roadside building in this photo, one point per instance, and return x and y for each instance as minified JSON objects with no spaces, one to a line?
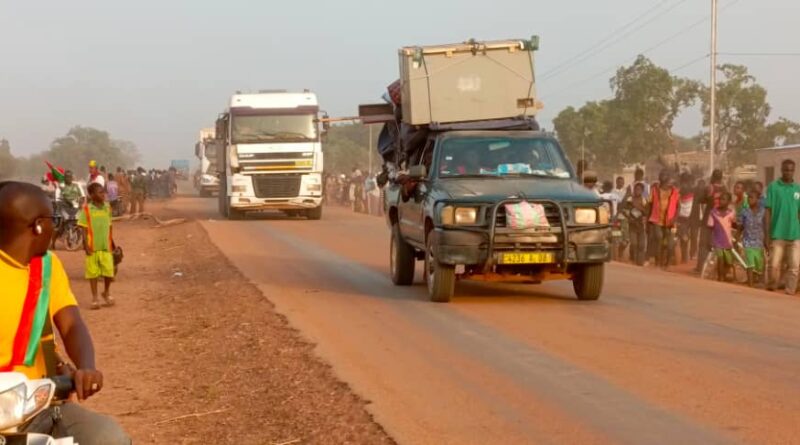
{"x":768,"y":161}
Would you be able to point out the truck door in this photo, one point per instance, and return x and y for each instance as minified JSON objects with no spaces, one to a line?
{"x":412,"y":211}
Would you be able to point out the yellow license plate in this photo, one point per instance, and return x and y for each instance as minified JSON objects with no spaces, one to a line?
{"x":528,"y":258}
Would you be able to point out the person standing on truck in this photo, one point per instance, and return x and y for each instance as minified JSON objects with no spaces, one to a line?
{"x":664,"y":200}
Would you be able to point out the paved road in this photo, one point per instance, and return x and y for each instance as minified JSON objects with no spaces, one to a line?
{"x":661,"y":358}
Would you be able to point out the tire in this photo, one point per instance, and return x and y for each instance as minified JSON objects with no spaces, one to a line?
{"x":204,"y":193}
{"x":73,"y":238}
{"x":314,"y":214}
{"x":441,"y":278}
{"x":588,"y":281}
{"x":235,"y":215}
{"x":401,"y":259}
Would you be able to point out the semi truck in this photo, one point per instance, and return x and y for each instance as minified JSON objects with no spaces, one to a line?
{"x":206,"y":180}
{"x":271,"y":156}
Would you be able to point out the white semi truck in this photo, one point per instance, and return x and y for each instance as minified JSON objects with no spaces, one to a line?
{"x":206,"y":180}
{"x":272,"y":154}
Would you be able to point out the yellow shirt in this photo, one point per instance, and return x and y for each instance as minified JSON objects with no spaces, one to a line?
{"x":14,"y":279}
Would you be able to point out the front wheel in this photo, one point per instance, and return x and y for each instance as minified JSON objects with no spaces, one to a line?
{"x":441,"y":277}
{"x":314,"y":214}
{"x":587,"y":281}
{"x":73,"y":238}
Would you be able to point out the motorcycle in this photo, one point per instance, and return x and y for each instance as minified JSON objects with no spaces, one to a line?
{"x":22,"y":399}
{"x":66,"y":221}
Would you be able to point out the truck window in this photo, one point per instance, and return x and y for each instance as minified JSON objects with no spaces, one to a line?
{"x":501,"y":156}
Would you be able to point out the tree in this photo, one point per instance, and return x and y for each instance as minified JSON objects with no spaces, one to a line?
{"x":8,"y":164}
{"x":647,"y":99}
{"x":347,"y":146}
{"x":82,"y":144}
{"x":584,"y":134}
{"x":742,"y":117}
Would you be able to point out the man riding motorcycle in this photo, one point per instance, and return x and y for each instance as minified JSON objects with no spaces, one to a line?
{"x":37,"y":300}
{"x":68,"y":200}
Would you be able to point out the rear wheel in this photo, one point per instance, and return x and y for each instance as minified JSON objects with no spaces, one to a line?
{"x":441,"y":277}
{"x":588,"y":281}
{"x":314,"y":214}
{"x":401,"y":259}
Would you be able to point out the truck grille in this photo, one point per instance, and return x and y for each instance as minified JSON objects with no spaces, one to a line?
{"x":553,"y":216}
{"x":276,"y":186}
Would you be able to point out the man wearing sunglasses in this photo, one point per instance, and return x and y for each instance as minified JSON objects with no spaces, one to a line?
{"x":36,"y":299}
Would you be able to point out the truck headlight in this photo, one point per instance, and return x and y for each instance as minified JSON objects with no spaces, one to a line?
{"x":24,"y":401}
{"x":238,"y":188}
{"x":459,"y":215}
{"x":586,"y":215}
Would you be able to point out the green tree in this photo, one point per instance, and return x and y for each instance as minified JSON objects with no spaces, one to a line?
{"x":8,"y":164}
{"x":82,"y":144}
{"x":647,"y":99}
{"x":348,"y":146}
{"x":584,"y":134}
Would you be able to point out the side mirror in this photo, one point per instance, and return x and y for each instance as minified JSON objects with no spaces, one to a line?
{"x":326,"y":125}
{"x":418,"y":172}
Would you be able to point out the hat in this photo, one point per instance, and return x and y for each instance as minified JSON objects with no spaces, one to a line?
{"x":92,"y":163}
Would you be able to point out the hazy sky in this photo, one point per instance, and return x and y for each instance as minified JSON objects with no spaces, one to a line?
{"x":155,"y":72}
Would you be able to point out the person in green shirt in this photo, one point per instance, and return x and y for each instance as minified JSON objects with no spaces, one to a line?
{"x":783,"y":227}
{"x":95,"y":218}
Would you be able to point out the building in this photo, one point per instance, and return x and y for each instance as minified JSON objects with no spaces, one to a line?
{"x":768,"y":161}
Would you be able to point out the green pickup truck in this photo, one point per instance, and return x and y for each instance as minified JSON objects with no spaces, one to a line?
{"x":449,"y":209}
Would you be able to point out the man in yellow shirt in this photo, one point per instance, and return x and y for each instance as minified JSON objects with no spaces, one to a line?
{"x":35,"y":289}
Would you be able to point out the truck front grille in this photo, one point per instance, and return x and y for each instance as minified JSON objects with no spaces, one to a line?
{"x":277,"y":186}
{"x":553,"y":216}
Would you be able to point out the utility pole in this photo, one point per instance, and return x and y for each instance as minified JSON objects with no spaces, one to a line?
{"x":712,"y":126}
{"x":369,"y":148}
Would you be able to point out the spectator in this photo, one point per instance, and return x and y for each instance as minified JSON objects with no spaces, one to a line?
{"x":685,"y":218}
{"x":695,"y":218}
{"x":112,"y":193}
{"x":751,"y":222}
{"x":710,"y":201}
{"x":638,"y":178}
{"x":619,"y":189}
{"x":95,"y":219}
{"x":783,"y":234}
{"x":94,"y":174}
{"x":664,"y":200}
{"x":124,"y":189}
{"x":636,"y":209}
{"x":739,"y":198}
{"x":721,"y":221}
{"x":139,"y":188}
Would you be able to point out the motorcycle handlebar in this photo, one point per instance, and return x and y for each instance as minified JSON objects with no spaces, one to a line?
{"x":64,"y":387}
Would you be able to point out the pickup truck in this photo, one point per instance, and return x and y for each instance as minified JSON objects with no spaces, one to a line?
{"x":448,"y":209}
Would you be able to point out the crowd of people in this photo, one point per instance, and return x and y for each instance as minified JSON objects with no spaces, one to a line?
{"x":680,"y":218}
{"x":357,"y":190}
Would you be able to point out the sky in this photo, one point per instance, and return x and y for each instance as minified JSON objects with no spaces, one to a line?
{"x":156,"y":72}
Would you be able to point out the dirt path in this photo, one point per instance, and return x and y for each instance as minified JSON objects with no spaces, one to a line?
{"x":193,"y":353}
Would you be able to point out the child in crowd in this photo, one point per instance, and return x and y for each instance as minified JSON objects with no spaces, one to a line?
{"x":95,"y":218}
{"x":751,"y":222}
{"x":721,"y":222}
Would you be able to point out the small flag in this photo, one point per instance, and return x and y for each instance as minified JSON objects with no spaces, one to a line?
{"x":56,"y":173}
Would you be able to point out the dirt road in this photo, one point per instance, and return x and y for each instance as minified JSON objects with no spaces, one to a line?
{"x":661,"y":358}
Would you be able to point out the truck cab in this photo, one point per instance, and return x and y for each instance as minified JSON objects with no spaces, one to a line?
{"x":271,"y":157}
{"x":450,"y":209}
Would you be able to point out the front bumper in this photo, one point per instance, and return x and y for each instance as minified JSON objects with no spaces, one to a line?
{"x":469,"y":247}
{"x":249,"y":203}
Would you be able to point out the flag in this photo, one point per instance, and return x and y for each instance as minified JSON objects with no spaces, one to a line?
{"x":56,"y":173}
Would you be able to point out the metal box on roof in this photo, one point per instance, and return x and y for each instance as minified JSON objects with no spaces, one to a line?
{"x":468,"y":81}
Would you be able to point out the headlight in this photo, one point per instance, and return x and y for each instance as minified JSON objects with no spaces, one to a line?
{"x":238,"y":188}
{"x":234,"y":156}
{"x":12,"y":407}
{"x":314,"y":187}
{"x":586,"y":216}
{"x":17,"y":406}
{"x":459,"y":215}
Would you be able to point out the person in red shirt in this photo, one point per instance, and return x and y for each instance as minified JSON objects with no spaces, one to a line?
{"x":664,"y":200}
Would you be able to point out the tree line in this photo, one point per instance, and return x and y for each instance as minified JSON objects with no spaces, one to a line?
{"x":636,"y":123}
{"x":73,"y":151}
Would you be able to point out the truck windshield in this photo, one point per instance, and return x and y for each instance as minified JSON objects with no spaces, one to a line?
{"x":266,"y":129}
{"x":501,"y":156}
